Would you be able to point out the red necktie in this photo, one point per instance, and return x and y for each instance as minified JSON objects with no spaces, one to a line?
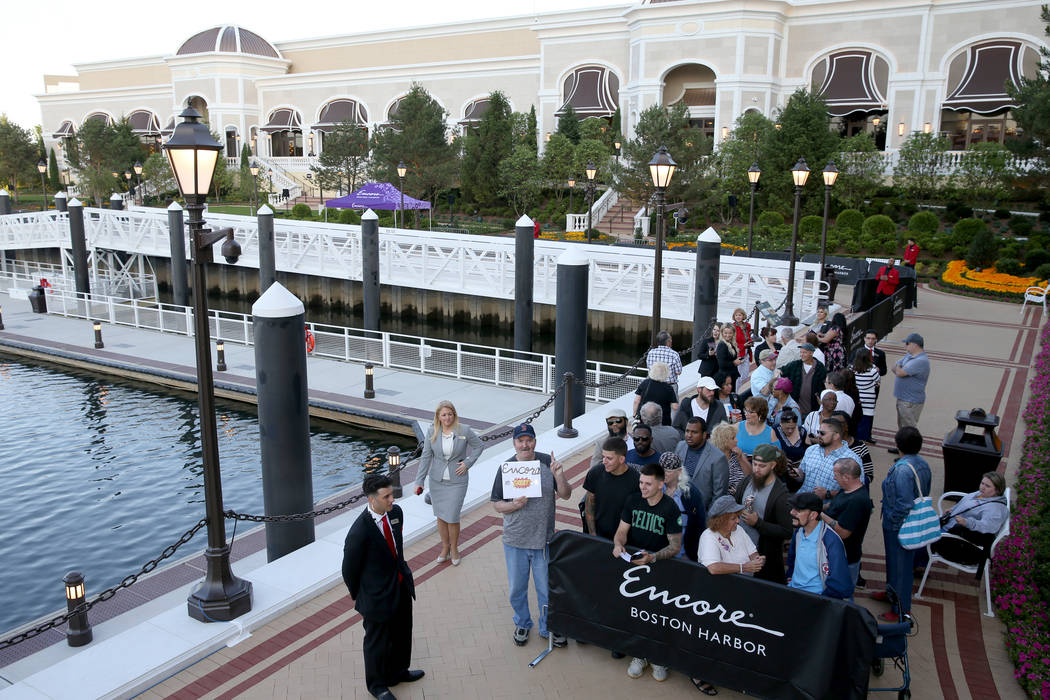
{"x":873,"y":354}
{"x":390,"y":541}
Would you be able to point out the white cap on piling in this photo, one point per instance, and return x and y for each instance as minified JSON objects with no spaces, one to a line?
{"x":74,"y":203}
{"x":573,"y":256}
{"x":523,"y":221}
{"x":265,"y":210}
{"x":709,"y":236}
{"x":369,"y":214}
{"x":277,"y":302}
{"x":60,"y":193}
{"x":115,"y":196}
{"x":4,"y":193}
{"x":174,"y":206}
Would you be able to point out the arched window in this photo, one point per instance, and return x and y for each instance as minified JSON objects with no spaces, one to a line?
{"x":474,"y":112}
{"x":99,"y":116}
{"x":591,"y":91}
{"x":853,"y":83}
{"x":285,"y":128}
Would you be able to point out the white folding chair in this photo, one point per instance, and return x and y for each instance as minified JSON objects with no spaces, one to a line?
{"x":1036,"y":295}
{"x":968,"y":568}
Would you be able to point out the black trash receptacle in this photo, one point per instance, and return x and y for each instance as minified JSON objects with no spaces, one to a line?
{"x":37,"y":300}
{"x":970,"y":450}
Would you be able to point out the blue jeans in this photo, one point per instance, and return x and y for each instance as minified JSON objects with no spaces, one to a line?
{"x":519,"y":561}
{"x":864,"y":427}
{"x":899,"y":564}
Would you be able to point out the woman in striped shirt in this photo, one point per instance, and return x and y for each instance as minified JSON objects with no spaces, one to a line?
{"x":867,"y":377}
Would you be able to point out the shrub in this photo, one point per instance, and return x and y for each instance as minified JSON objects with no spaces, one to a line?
{"x":769,"y":220}
{"x":1001,"y":213}
{"x":923,"y":222}
{"x":1008,"y":266}
{"x":1022,"y":226}
{"x":302,"y":211}
{"x":937,"y":247}
{"x":1044,"y":217}
{"x":1042,"y":272}
{"x":879,"y":225}
{"x":1036,"y":258}
{"x":810,"y":226}
{"x":983,"y":249}
{"x":349,"y":216}
{"x":849,"y":220}
{"x":965,"y":230}
{"x":960,"y":210}
{"x":851,"y":246}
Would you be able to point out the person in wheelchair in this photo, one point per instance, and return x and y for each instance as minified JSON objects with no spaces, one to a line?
{"x":977,"y":518}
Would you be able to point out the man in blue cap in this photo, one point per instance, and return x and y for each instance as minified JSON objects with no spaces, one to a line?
{"x":528,"y":526}
{"x":913,"y":372}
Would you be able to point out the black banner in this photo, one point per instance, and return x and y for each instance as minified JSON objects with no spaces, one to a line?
{"x":734,"y":631}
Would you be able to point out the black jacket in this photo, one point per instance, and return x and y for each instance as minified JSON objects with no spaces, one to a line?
{"x":715,"y":414}
{"x":879,"y":360}
{"x":370,"y":569}
{"x":793,"y":371}
{"x":774,"y":529}
{"x":696,"y":520}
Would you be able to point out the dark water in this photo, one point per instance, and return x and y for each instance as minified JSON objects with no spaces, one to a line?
{"x":100,"y":475}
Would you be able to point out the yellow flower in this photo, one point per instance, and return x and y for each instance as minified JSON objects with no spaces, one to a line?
{"x":956,"y":273}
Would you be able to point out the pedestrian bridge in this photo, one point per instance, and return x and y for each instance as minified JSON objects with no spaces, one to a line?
{"x":620,"y":278}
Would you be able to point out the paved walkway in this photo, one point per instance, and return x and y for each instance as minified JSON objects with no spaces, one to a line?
{"x":981,"y":352}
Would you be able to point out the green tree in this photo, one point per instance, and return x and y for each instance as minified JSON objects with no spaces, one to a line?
{"x":559,"y":163}
{"x":861,"y":170}
{"x":94,"y":163}
{"x":569,"y":125}
{"x":17,"y":155}
{"x":418,"y":136}
{"x":53,"y":179}
{"x":245,"y":189}
{"x":918,"y":164}
{"x":484,"y":149}
{"x":344,"y":160}
{"x":985,"y":172}
{"x":1033,"y":111}
{"x":596,"y":129}
{"x":591,"y":151}
{"x":157,"y":178}
{"x":528,"y":134}
{"x":519,"y":179}
{"x":730,"y":163}
{"x":804,"y":133}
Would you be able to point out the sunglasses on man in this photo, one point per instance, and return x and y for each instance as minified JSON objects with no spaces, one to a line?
{"x":615,"y":421}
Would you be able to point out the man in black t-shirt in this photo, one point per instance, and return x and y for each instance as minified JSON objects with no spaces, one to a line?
{"x":652,"y":522}
{"x":849,"y":511}
{"x":608,"y":487}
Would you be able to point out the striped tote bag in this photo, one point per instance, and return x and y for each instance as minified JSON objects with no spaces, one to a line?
{"x":922,"y":526}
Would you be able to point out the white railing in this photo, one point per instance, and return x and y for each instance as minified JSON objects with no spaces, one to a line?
{"x":24,"y":275}
{"x":281,"y":180}
{"x":465,"y":361}
{"x":601,"y":207}
{"x":300,"y":164}
{"x":641,"y":220}
{"x":41,"y":229}
{"x":948,"y":162}
{"x":621,"y":278}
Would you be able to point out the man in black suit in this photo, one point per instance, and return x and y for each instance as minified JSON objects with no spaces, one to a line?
{"x":878,"y":356}
{"x":381,"y":585}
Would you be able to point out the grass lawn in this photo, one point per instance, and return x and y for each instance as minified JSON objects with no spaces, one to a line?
{"x":241,"y":209}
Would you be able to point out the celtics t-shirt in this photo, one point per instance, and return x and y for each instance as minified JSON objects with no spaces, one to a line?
{"x":650,"y":525}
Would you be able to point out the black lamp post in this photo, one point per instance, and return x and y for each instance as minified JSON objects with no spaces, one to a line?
{"x":451,"y":197}
{"x":831,"y":173}
{"x":753,"y":173}
{"x":591,"y":172}
{"x":661,"y":169}
{"x":401,"y":170}
{"x":310,"y":153}
{"x":138,"y":183}
{"x":254,"y":170}
{"x":193,"y":153}
{"x":127,"y":176}
{"x":41,"y":167}
{"x":800,"y":173}
{"x":79,"y":631}
{"x":393,"y":460}
{"x":616,"y":145}
{"x":572,"y":188}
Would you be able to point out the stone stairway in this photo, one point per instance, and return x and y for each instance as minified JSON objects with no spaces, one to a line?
{"x":619,"y":221}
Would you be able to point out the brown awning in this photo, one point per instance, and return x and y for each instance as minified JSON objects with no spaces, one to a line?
{"x":338,"y":111}
{"x":848,"y":86}
{"x":592,"y":91}
{"x":64,"y":131}
{"x":698,"y":97}
{"x":989,"y":67}
{"x":144,"y":123}
{"x":98,"y":116}
{"x":283,"y":120}
{"x":169,"y":129}
{"x":475,"y":111}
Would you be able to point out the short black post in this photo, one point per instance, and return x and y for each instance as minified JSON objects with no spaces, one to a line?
{"x":98,"y":335}
{"x":279,"y":319}
{"x":566,"y":430}
{"x":60,"y":201}
{"x":220,"y":356}
{"x":5,"y":202}
{"x":180,"y":287}
{"x":116,"y":202}
{"x":570,"y":327}
{"x":524,"y":271}
{"x":78,"y":245}
{"x":705,"y":284}
{"x":370,"y":269}
{"x":370,"y":391}
{"x":393,"y":461}
{"x":267,"y":252}
{"x":79,"y":631}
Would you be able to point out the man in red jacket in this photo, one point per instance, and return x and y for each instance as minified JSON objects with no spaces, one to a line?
{"x":911,"y":253}
{"x":889,"y":277}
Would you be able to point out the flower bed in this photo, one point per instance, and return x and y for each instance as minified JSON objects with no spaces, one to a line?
{"x":1020,"y":573}
{"x":987,"y":281}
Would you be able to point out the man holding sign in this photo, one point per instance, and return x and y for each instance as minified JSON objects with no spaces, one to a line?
{"x":528,"y":525}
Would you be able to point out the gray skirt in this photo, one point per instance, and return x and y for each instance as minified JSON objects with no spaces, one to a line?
{"x":447,"y":499}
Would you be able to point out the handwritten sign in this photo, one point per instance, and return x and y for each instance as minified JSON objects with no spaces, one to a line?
{"x":521,"y":479}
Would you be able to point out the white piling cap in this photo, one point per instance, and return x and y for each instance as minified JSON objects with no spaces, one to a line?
{"x":369,"y":214}
{"x":61,"y":194}
{"x":4,"y":193}
{"x":174,"y":206}
{"x":277,"y":302}
{"x":709,"y":236}
{"x":74,"y":203}
{"x":264,"y":210}
{"x":523,"y":221}
{"x":573,"y":256}
{"x":115,"y":196}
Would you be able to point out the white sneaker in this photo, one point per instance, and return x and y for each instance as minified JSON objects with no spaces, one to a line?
{"x":659,"y":673}
{"x":636,"y":667}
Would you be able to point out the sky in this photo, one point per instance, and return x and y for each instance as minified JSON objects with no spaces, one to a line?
{"x":49,"y":38}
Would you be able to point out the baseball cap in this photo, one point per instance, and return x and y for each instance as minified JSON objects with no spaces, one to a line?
{"x":706,"y":383}
{"x":914,"y":338}
{"x":807,"y":501}
{"x":615,"y":413}
{"x":767,"y":452}
{"x":723,"y":505}
{"x":766,"y":353}
{"x":784,"y":384}
{"x":524,"y":429}
{"x":807,"y":346}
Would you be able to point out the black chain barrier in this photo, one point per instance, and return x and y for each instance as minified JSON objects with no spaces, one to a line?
{"x":126,"y":582}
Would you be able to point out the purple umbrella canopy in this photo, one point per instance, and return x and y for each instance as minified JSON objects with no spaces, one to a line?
{"x":376,"y":195}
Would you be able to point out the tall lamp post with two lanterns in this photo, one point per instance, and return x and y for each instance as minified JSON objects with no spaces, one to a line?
{"x":661,"y":169}
{"x":193,"y":153}
{"x":799,"y":173}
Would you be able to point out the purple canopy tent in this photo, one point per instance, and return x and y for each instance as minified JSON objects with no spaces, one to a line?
{"x":377,"y":195}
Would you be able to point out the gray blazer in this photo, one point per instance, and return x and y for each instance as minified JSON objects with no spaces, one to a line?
{"x":433,"y":459}
{"x":711,"y":473}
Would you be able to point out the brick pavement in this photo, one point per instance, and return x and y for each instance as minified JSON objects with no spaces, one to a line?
{"x":981,"y":352}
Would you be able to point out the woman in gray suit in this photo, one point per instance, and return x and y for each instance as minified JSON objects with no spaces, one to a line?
{"x":448,"y":452}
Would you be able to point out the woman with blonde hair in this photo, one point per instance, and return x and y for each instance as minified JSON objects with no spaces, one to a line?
{"x":727,"y":354}
{"x":744,"y":343}
{"x":723,"y":437}
{"x":658,"y":389}
{"x":449,"y":452}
